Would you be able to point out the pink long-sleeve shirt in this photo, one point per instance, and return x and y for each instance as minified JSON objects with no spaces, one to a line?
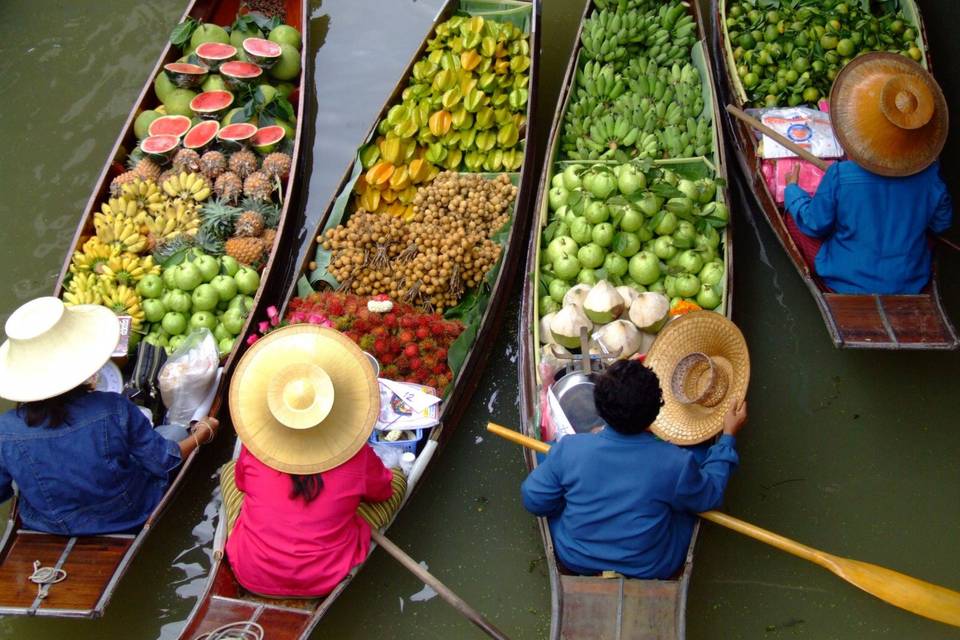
{"x":285,"y":547}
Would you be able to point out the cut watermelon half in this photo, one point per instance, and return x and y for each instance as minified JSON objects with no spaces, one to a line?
{"x":186,"y":75}
{"x":267,"y":138}
{"x":210,"y":104}
{"x":237,"y":74}
{"x":237,"y":135}
{"x":160,"y":147}
{"x":169,"y":126}
{"x":213,"y":54}
{"x":263,"y":52}
{"x":201,"y":135}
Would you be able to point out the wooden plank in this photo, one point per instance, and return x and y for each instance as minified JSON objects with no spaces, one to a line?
{"x":221,"y":611}
{"x":590,"y":608}
{"x":858,"y":319}
{"x":916,"y":320}
{"x":16,"y":590}
{"x":284,"y":624}
{"x":615,"y":609}
{"x":650,"y":609}
{"x":90,"y":566}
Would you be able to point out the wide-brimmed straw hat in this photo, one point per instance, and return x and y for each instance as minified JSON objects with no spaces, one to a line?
{"x":52,"y":348}
{"x":304,"y":399}
{"x":703,"y":364}
{"x":889,"y":114}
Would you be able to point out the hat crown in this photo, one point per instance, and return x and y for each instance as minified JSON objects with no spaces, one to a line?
{"x":906,"y":101}
{"x":34,"y":318}
{"x":300,"y":395}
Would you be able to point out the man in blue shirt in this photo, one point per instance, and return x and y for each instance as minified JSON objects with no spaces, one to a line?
{"x":622,"y":499}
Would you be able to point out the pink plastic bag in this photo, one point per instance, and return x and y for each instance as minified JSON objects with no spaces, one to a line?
{"x":775,"y":173}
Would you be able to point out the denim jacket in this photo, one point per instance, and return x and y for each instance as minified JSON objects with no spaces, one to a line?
{"x":102,"y":471}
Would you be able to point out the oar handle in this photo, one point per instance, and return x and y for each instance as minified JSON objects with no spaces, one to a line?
{"x":517,"y":438}
{"x":783,"y":140}
{"x":442,"y":590}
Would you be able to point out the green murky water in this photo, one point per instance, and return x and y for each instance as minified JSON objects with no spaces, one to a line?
{"x":853,"y":452}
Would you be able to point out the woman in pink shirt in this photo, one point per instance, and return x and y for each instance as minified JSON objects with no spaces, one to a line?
{"x":304,"y":400}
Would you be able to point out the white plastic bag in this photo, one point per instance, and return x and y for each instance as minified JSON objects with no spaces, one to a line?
{"x":188,"y":375}
{"x":808,"y":128}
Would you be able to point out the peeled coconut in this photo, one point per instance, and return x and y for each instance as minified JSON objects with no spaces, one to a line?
{"x":629,"y":294}
{"x":603,"y":303}
{"x":565,"y":326}
{"x":576,"y":294}
{"x":650,"y":311}
{"x":622,"y":335}
{"x":545,"y":336}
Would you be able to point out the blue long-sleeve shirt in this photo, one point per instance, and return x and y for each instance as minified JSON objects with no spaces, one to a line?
{"x":626,"y":503}
{"x":874,"y":227}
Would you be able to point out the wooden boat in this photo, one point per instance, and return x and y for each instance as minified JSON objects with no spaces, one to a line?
{"x":586,"y":607}
{"x":853,"y":321}
{"x":94,"y":565}
{"x":224,"y":601}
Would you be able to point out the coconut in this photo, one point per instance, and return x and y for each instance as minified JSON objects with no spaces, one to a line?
{"x":650,"y":311}
{"x":576,"y":294}
{"x":545,"y":335}
{"x":565,"y":326}
{"x":603,"y":303}
{"x":622,"y":335}
{"x":629,"y":294}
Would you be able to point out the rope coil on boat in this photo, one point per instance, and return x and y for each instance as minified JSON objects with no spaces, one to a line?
{"x":44,"y":577}
{"x":245,"y":630}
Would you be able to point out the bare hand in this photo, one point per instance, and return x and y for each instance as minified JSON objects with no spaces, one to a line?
{"x":206,"y":428}
{"x":794,"y":174}
{"x":735,"y":417}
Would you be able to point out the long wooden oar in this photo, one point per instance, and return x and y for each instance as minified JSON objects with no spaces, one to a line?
{"x":919,"y":597}
{"x":739,"y":114}
{"x":442,"y":590}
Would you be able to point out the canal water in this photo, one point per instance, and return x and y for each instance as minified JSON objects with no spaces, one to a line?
{"x":852,"y":452}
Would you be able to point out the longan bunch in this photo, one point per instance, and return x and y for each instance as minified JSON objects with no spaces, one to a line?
{"x":433,"y":259}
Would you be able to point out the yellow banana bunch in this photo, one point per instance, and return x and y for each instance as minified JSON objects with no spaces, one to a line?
{"x":123,"y":234}
{"x":129,"y":268}
{"x":187,"y":187}
{"x":123,"y":301}
{"x":91,"y":257}
{"x":145,"y":193}
{"x":119,"y":209}
{"x":83,"y":288}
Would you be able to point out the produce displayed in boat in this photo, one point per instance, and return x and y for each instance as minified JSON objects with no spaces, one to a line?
{"x":200,"y":195}
{"x":637,"y":92}
{"x":790,"y":53}
{"x":639,"y":225}
{"x":463,"y":109}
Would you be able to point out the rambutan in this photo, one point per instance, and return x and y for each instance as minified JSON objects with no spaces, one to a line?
{"x":342,"y":323}
{"x":390,"y":320}
{"x":440,"y":368}
{"x":403,"y":363}
{"x":390,"y":371}
{"x":406,"y":336}
{"x":416,"y":363}
{"x":411,"y":350}
{"x":432,"y":382}
{"x":441,"y":354}
{"x":438,"y":329}
{"x":407,"y":322}
{"x":366,"y":342}
{"x":334,"y":307}
{"x":386,"y":359}
{"x":422,"y":332}
{"x":361,"y":325}
{"x":380,"y":331}
{"x":380,"y":347}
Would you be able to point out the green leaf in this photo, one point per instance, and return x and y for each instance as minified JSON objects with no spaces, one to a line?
{"x":263,"y":23}
{"x":182,"y":32}
{"x":665,"y":190}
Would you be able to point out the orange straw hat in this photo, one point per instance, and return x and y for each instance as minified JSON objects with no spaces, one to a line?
{"x":703,"y":364}
{"x":889,"y":114}
{"x":304,"y":399}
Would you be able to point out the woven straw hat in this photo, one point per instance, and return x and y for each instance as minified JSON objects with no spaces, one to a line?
{"x":703,"y":364}
{"x":889,"y":114}
{"x":52,"y":348}
{"x":304,"y":399}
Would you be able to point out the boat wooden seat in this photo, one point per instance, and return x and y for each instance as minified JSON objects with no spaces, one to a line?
{"x":597,"y":608}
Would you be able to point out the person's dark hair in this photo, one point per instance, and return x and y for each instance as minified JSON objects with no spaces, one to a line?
{"x":306,"y":486}
{"x":51,"y":412}
{"x":628,"y":397}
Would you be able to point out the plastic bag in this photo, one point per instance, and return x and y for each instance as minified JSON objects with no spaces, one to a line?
{"x":808,"y":128}
{"x":188,"y":375}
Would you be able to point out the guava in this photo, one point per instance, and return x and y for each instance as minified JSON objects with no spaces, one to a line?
{"x":285,"y":34}
{"x":142,"y":123}
{"x":177,"y":102}
{"x":208,"y":32}
{"x":288,"y":67}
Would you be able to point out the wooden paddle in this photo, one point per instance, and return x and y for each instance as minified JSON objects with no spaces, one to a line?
{"x":919,"y":597}
{"x":442,"y":590}
{"x":739,"y":114}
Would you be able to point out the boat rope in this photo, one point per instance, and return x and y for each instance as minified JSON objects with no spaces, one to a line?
{"x":245,"y":630}
{"x":43,"y":577}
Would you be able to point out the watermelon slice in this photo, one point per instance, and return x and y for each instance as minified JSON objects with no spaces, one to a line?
{"x":263,"y":52}
{"x":238,"y":74}
{"x":169,"y":126}
{"x":211,"y":104}
{"x":160,"y":148}
{"x":267,"y":138}
{"x":201,"y":135}
{"x":213,"y":54}
{"x":186,"y":75}
{"x":237,"y":135}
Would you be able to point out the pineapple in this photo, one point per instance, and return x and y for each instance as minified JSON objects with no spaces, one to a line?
{"x":228,"y":187}
{"x":116,"y":186}
{"x":267,"y":210}
{"x":218,"y":219}
{"x":246,"y":250}
{"x":258,"y":186}
{"x":148,"y":169}
{"x":243,"y":163}
{"x":268,"y":238}
{"x":186,"y":161}
{"x":212,"y":164}
{"x":277,"y":165}
{"x":249,"y":225}
{"x":209,"y":242}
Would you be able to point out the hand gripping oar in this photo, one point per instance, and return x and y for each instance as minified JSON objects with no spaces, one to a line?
{"x":442,"y":590}
{"x":919,"y":597}
{"x":741,"y":115}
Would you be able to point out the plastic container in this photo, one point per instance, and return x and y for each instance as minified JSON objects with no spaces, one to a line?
{"x":406,"y":446}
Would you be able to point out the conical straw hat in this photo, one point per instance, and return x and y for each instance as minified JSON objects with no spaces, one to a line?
{"x":304,"y":399}
{"x":889,"y":114}
{"x":52,"y":348}
{"x":703,"y":364}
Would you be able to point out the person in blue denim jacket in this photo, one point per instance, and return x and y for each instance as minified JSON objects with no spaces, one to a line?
{"x":83,"y":462}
